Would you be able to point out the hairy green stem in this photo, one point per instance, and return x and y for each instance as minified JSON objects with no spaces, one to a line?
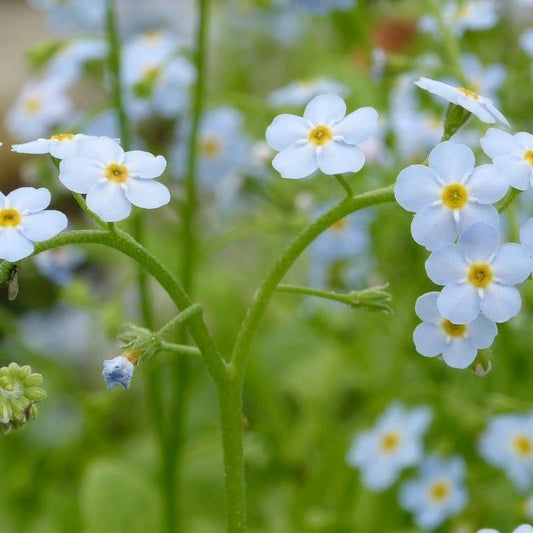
{"x":345,"y":185}
{"x":182,"y":349}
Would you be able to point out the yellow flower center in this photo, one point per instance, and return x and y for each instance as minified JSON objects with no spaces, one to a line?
{"x":210,"y":147}
{"x":439,"y":491}
{"x":320,"y":135}
{"x":523,"y":445}
{"x":454,"y":196}
{"x":453,"y":330}
{"x":390,"y":442}
{"x":33,"y":105}
{"x":468,"y":93}
{"x":480,"y":275}
{"x":9,"y":217}
{"x":528,"y":156}
{"x":62,"y":137}
{"x":117,"y":173}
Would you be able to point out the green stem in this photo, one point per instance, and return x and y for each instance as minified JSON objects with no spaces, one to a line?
{"x":345,"y":185}
{"x":180,"y":318}
{"x":291,"y":253}
{"x":182,"y":349}
{"x":81,"y":202}
{"x":507,"y":200}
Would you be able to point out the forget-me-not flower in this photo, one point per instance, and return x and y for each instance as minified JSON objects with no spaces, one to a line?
{"x":302,"y":91}
{"x":512,"y":154}
{"x":458,"y":343}
{"x":113,"y":179}
{"x":479,"y":274}
{"x":482,"y":107}
{"x":324,"y":138}
{"x":60,"y":146}
{"x":449,"y":195}
{"x":438,"y":492}
{"x":118,"y":372}
{"x":395,"y":443}
{"x":24,"y":220}
{"x":507,"y":443}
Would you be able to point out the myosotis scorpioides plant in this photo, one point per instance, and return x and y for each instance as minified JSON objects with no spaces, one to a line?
{"x":325,"y":139}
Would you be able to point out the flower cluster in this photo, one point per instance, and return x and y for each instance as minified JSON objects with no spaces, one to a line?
{"x":455,"y":219}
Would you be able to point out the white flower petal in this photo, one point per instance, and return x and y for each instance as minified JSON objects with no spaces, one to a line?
{"x":512,"y":264}
{"x":79,"y":174}
{"x":285,"y":130}
{"x":108,"y":201}
{"x":358,"y":125}
{"x":516,"y":169}
{"x":29,"y":199}
{"x":446,"y":265}
{"x":429,"y":339}
{"x":417,"y":186}
{"x":39,"y":146}
{"x":473,"y":212}
{"x":482,"y":332}
{"x":325,"y":109}
{"x":13,"y":245}
{"x":434,"y":226}
{"x":500,"y":302}
{"x":147,"y":194}
{"x":526,"y":235}
{"x":480,"y":241}
{"x":338,"y":158}
{"x":296,"y":162}
{"x":144,"y":165}
{"x":459,"y":353}
{"x":426,"y":307}
{"x":497,"y":142}
{"x":452,"y":161}
{"x":487,"y":184}
{"x":102,"y":149}
{"x":44,"y":225}
{"x":439,"y":88}
{"x":459,"y":303}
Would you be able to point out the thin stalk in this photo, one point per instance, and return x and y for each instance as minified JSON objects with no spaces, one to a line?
{"x":345,"y":185}
{"x":182,"y":349}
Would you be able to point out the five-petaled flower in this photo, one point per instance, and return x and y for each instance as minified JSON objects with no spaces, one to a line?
{"x":449,"y":195}
{"x":479,"y":274}
{"x":113,"y":179}
{"x":324,"y":138}
{"x":24,"y":220}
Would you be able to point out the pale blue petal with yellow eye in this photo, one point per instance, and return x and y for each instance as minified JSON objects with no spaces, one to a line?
{"x":487,"y":184}
{"x":473,"y":212}
{"x":79,"y":174}
{"x":497,"y":142}
{"x":358,"y":125}
{"x":480,"y":241}
{"x":476,"y":107}
{"x":433,"y":226}
{"x":526,"y":235}
{"x":516,"y":169}
{"x":43,"y":226}
{"x":144,"y":165}
{"x":459,"y":303}
{"x":429,"y":339}
{"x":108,"y":201}
{"x":523,"y":141}
{"x":296,"y":162}
{"x":102,"y":149}
{"x":380,"y":477}
{"x":426,"y":307}
{"x":146,"y":193}
{"x":459,"y":353}
{"x":512,"y":264}
{"x":500,"y":302}
{"x":452,"y":161}
{"x":417,"y":186}
{"x":13,"y":245}
{"x":29,"y":199}
{"x":446,"y":265}
{"x":325,"y":109}
{"x":285,"y":130}
{"x":482,"y":332}
{"x":338,"y":158}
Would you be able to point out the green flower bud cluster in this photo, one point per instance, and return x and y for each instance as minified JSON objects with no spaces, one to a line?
{"x":137,"y":339}
{"x":19,"y":393}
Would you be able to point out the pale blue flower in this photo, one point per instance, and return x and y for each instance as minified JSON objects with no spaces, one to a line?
{"x":507,"y":443}
{"x":24,"y":220}
{"x":479,"y":275}
{"x":395,"y":443}
{"x":325,"y":6}
{"x":323,"y":139}
{"x":59,"y":146}
{"x":458,"y":343}
{"x":524,"y":528}
{"x":483,"y":80}
{"x":299,"y":93}
{"x":73,"y":15}
{"x":526,"y":235}
{"x":449,"y":195}
{"x":526,"y":41}
{"x":512,"y":155}
{"x":118,"y":371}
{"x":58,"y":264}
{"x":478,"y":105}
{"x":438,"y":493}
